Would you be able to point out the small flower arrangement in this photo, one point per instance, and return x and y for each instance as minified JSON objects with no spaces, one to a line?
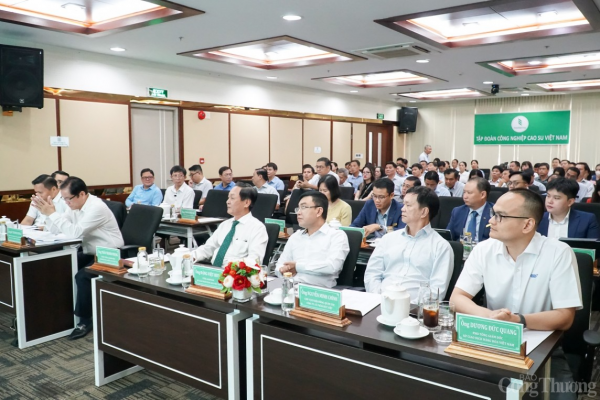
{"x":245,"y":275}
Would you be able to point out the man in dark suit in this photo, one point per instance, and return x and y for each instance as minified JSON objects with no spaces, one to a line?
{"x":381,"y":212}
{"x":474,"y":216}
{"x":561,"y":220}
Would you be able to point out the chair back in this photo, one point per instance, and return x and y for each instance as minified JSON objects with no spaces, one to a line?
{"x":495,"y":195}
{"x":273,"y":233}
{"x":197,"y":198}
{"x":573,"y":339}
{"x":282,"y":194}
{"x":264,"y":206}
{"x":215,"y":205}
{"x":534,"y":189}
{"x":499,"y":189}
{"x":286,"y":184}
{"x":141,"y":225}
{"x":346,"y":193}
{"x":163,"y":191}
{"x":447,"y":204}
{"x":346,"y":277}
{"x":486,"y":172}
{"x":290,"y":213}
{"x":356,"y":206}
{"x":119,"y":211}
{"x":445,"y":233}
{"x":457,"y":248}
{"x":593,"y":208}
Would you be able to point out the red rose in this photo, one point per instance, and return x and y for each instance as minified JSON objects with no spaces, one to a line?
{"x":248,"y":270}
{"x":248,"y":284}
{"x":239,"y":282}
{"x":226,"y":271}
{"x":242,"y":264}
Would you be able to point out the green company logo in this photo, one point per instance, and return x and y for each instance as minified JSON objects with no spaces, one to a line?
{"x":519,"y":124}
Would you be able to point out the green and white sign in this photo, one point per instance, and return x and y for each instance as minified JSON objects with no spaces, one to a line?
{"x":156,"y":92}
{"x":380,"y":116}
{"x":279,"y":222}
{"x":351,"y":228}
{"x":548,"y":127}
{"x":207,"y":276}
{"x":492,"y":333}
{"x":108,"y":256}
{"x":188,"y":213}
{"x":590,"y":252}
{"x":14,"y":235}
{"x":319,"y":299}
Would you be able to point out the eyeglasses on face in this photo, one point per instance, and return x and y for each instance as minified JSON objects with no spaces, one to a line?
{"x":148,"y":177}
{"x":302,"y":208}
{"x":381,"y":198}
{"x":68,"y":200}
{"x":499,"y":217}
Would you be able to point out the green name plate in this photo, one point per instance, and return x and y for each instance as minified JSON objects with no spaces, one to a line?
{"x":279,"y":222}
{"x":499,"y":335}
{"x":207,"y":276}
{"x":108,"y":256}
{"x":591,"y":252}
{"x":351,"y":228}
{"x":188,"y":213}
{"x":319,"y":299}
{"x":14,"y":235}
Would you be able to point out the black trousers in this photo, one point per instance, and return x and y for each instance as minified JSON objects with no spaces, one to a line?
{"x":83,"y":279}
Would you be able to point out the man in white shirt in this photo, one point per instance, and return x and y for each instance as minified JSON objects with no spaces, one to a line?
{"x":452,"y":183}
{"x":528,"y":279}
{"x":90,"y":220}
{"x":496,"y":176}
{"x":239,"y":237}
{"x":323,"y":168}
{"x":584,"y":171}
{"x":180,"y":195}
{"x":315,"y":255}
{"x":425,"y":154}
{"x":441,"y":168}
{"x":586,"y":188}
{"x":274,"y":181}
{"x":60,"y":177}
{"x":343,"y":175}
{"x":515,"y":166}
{"x":45,"y":187}
{"x":409,"y":182}
{"x":417,"y":171}
{"x":199,"y":182}
{"x":414,"y":254}
{"x":432,"y":180}
{"x":260,"y":181}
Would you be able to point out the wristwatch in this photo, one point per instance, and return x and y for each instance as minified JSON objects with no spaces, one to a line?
{"x":522,"y":320}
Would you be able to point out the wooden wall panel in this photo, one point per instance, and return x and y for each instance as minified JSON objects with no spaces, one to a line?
{"x":316,"y":134}
{"x":249,"y":143}
{"x":209,"y":139}
{"x":342,"y":142}
{"x":286,"y":144}
{"x":359,"y":141}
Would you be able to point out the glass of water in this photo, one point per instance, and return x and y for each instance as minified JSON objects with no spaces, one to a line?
{"x":446,"y":315}
{"x":155,"y":265}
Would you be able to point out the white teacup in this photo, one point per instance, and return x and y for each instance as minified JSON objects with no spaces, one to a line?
{"x":175,"y":274}
{"x":276,"y":294}
{"x":409,"y":326}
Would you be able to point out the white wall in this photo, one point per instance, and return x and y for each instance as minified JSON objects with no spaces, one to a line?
{"x":80,"y":70}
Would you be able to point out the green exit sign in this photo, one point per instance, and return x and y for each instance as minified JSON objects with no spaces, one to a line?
{"x":156,"y":92}
{"x":379,"y":116}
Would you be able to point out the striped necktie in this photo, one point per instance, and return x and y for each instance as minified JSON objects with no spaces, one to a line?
{"x":225,"y":246}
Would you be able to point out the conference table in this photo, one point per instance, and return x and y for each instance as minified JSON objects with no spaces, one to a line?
{"x":37,"y":286}
{"x":188,"y":230}
{"x":257,"y":351}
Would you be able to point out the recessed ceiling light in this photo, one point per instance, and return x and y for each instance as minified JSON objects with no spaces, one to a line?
{"x":117,"y":49}
{"x":547,"y":14}
{"x":412,"y":101}
{"x":535,"y":62}
{"x":394,"y":94}
{"x":271,"y":77}
{"x":354,"y":91}
{"x":423,"y":61}
{"x":524,"y":94}
{"x":470,"y":24}
{"x":73,"y":6}
{"x":402,"y":77}
{"x":292,"y":17}
{"x":445,"y":94}
{"x":488,"y":82}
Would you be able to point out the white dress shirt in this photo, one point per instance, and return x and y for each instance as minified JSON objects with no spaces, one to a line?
{"x":182,"y":198}
{"x":346,"y":184}
{"x":408,"y":260}
{"x":205,"y":185}
{"x":94,"y":224}
{"x":319,"y":257}
{"x":250,"y":240}
{"x":544,"y":277}
{"x":441,"y":190}
{"x":463,"y":177}
{"x":457,"y":190}
{"x":586,"y":189}
{"x":424,"y":157}
{"x":560,"y":229}
{"x":540,"y":185}
{"x":39,"y":218}
{"x":268,"y":189}
{"x":315,"y":179}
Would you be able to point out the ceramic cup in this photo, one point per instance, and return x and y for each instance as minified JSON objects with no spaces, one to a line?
{"x":409,"y":326}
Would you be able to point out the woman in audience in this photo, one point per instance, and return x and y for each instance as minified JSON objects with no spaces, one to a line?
{"x":476,"y":172}
{"x":334,"y":167}
{"x":338,"y":209}
{"x":366,"y":186}
{"x":455,"y":164}
{"x":559,"y":171}
{"x":377,"y":172}
{"x":596,"y":196}
{"x":596,"y":176}
{"x":474,"y":164}
{"x":587,"y":172}
{"x":462,"y":171}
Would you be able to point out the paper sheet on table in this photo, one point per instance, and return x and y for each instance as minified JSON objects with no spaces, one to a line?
{"x":360,"y":303}
{"x":134,"y":259}
{"x":534,"y":338}
{"x":44,"y":236}
{"x":206,"y":220}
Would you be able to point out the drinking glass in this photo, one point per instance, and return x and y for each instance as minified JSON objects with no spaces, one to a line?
{"x":446,"y":315}
{"x":160,"y":253}
{"x":186,"y":272}
{"x":155,"y":265}
{"x":431,"y":312}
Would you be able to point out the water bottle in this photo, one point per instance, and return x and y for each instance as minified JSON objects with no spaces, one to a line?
{"x":467,"y":245}
{"x":186,"y":271}
{"x":287,"y":292}
{"x":142,"y":262}
{"x":424,"y":295}
{"x":3,"y":231}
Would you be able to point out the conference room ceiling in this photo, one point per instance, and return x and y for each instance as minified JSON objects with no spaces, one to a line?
{"x":344,"y":25}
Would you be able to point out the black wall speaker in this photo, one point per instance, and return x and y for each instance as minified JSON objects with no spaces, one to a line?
{"x":21,"y":77}
{"x":407,"y":119}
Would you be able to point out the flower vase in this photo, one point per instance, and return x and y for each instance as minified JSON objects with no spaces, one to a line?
{"x":242,"y":296}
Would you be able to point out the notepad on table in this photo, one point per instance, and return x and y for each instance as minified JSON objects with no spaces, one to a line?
{"x":360,"y":303}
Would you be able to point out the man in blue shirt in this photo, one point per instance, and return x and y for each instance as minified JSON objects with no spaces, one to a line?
{"x":147,"y":193}
{"x":226,"y":175}
{"x":355,"y":176}
{"x":474,"y":216}
{"x":274,"y":181}
{"x":380,"y":212}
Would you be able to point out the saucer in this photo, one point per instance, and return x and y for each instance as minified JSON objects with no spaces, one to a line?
{"x":135,"y":271}
{"x":421,"y":334}
{"x":273,"y":300}
{"x":383,"y":321}
{"x":172,"y":281}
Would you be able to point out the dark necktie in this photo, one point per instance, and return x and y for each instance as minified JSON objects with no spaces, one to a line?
{"x":473,"y":225}
{"x":225,"y":246}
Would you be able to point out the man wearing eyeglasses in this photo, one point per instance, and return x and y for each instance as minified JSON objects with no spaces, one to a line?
{"x":316,"y":254}
{"x":409,"y":182}
{"x":519,"y":180}
{"x":199,"y":182}
{"x":323,"y":167}
{"x":528,"y":278}
{"x":89,"y":219}
{"x":381,"y":211}
{"x":147,"y":193}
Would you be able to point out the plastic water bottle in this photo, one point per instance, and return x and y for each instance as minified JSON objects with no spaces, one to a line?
{"x":142,"y":262}
{"x":3,"y":231}
{"x":467,"y":245}
{"x":288,"y":296}
{"x":424,"y":295}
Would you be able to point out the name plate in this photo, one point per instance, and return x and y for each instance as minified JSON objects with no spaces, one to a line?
{"x":207,"y":276}
{"x":319,"y":299}
{"x":279,"y":222}
{"x":108,"y":256}
{"x":188,"y":213}
{"x":351,"y":228}
{"x":590,"y":252}
{"x":14,"y":235}
{"x":491,"y":333}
